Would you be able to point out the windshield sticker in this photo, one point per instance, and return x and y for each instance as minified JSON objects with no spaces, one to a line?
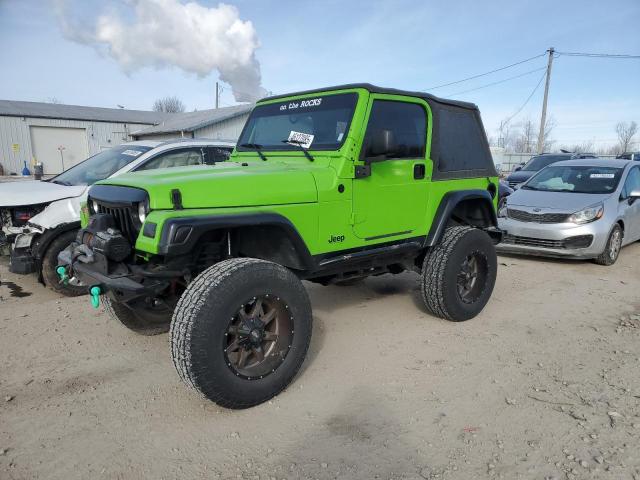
{"x":340,"y":136}
{"x":602,"y":175}
{"x":131,"y":153}
{"x":314,"y":102}
{"x":298,"y":138}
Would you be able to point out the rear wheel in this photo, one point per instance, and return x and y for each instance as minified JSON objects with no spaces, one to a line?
{"x":50,"y":263}
{"x":240,"y":331}
{"x":459,"y":274}
{"x":146,"y":316}
{"x":612,"y":248}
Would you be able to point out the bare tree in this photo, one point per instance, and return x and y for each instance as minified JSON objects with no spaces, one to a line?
{"x":169,"y":104}
{"x":626,"y":131}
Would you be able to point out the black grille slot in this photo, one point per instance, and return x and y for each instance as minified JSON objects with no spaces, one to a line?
{"x":523,"y":216}
{"x":123,"y":216}
{"x":533,"y":242}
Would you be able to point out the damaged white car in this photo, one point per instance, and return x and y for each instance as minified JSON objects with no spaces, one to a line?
{"x":38,"y":219}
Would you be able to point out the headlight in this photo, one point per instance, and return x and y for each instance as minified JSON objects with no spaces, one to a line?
{"x":502,"y":208}
{"x":587,"y":215}
{"x":143,"y":210}
{"x":93,"y":206}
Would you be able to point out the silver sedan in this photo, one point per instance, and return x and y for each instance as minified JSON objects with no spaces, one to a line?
{"x":588,"y":208}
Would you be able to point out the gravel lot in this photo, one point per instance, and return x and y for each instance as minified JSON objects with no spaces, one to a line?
{"x":544,"y":384}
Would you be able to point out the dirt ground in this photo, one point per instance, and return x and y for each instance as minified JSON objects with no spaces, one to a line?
{"x":543,"y":385}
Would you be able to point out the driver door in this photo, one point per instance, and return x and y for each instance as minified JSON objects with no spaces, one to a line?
{"x":391,"y":192}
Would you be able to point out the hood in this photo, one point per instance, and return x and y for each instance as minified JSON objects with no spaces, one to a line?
{"x":520,"y":176}
{"x":225,"y":184}
{"x":34,"y":192}
{"x":557,"y":201}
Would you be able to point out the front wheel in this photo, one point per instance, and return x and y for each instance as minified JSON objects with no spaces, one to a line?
{"x":459,"y":274}
{"x":612,"y":248}
{"x":50,"y":263}
{"x":240,"y":331}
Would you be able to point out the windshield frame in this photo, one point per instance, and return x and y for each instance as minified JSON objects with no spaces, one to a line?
{"x":617,"y":171}
{"x":284,"y":147}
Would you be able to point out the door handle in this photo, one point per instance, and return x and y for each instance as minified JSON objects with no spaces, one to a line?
{"x":418,"y":171}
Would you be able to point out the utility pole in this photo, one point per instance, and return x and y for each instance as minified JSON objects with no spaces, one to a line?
{"x":543,"y":118}
{"x":217,"y":94}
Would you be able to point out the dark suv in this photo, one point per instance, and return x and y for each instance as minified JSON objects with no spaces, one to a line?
{"x":537,"y":163}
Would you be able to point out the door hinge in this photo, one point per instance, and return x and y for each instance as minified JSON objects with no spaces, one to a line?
{"x":363,"y":171}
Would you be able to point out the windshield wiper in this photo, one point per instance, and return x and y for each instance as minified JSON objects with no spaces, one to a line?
{"x":527,"y":187}
{"x":298,"y":143}
{"x":257,"y":147}
{"x":59,"y":182}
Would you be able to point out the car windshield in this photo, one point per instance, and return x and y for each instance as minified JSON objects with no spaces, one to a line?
{"x":538,"y":163}
{"x":575,"y":179}
{"x":317,"y":123}
{"x":100,"y":166}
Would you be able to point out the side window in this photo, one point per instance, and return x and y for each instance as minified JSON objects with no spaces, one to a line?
{"x":182,"y":157}
{"x":216,"y":154}
{"x":403,"y":124}
{"x":632,"y":183}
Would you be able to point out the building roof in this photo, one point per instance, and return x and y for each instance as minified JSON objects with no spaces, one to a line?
{"x":375,"y":89}
{"x":15,"y":108}
{"x":192,"y":121}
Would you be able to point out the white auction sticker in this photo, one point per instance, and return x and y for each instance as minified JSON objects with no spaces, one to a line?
{"x":298,"y":138}
{"x":602,"y":175}
{"x":131,"y":153}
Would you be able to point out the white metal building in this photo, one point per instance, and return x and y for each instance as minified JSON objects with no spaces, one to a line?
{"x":224,"y":123}
{"x":60,"y":136}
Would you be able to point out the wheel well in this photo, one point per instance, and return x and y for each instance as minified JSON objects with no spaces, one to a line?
{"x":270,"y":242}
{"x":475,"y":212}
{"x":621,"y":223}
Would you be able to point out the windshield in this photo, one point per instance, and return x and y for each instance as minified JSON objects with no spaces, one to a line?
{"x":538,"y":163}
{"x":576,"y":179}
{"x":101,"y":165}
{"x":318,"y":123}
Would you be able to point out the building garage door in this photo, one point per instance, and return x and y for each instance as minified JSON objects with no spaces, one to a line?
{"x":58,"y":146}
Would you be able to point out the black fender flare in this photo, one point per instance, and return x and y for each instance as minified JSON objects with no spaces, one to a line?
{"x":448,"y":204}
{"x":43,"y":241}
{"x":180,"y":235}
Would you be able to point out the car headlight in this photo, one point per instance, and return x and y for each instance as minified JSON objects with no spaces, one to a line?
{"x":93,"y":206}
{"x":589,"y":214}
{"x":143,"y":210}
{"x":502,"y":208}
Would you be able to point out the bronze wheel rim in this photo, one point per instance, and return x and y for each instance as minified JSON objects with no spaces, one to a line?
{"x":472,"y":277}
{"x":258,"y":337}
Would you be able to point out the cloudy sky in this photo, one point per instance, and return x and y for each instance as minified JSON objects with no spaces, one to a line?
{"x":131,"y":52}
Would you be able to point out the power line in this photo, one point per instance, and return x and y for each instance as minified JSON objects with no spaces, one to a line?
{"x":486,"y":73}
{"x":527,"y":100}
{"x":498,"y":82}
{"x":598,"y":55}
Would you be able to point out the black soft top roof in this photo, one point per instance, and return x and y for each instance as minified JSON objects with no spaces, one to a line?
{"x":375,"y":89}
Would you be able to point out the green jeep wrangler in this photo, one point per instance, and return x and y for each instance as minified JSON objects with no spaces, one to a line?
{"x":330,"y":186}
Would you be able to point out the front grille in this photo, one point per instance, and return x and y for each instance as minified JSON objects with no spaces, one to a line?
{"x":581,"y":241}
{"x":523,"y":216}
{"x":123,"y":215}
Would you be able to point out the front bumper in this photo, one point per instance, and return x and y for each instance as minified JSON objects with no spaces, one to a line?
{"x":565,"y":240}
{"x":122,"y":282}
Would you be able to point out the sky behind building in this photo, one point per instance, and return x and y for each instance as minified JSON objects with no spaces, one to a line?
{"x":306,"y":44}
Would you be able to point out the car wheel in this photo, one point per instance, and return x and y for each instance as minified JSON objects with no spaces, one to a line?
{"x":50,"y":263}
{"x":459,"y":274}
{"x":240,"y":331}
{"x":612,"y":248}
{"x":145,"y":316}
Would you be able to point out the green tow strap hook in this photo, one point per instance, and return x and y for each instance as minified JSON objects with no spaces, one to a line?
{"x":62,"y":273}
{"x":95,"y":296}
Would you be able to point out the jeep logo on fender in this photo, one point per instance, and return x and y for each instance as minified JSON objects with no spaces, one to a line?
{"x":336,"y":239}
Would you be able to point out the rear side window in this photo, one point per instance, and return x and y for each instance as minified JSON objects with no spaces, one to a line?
{"x":182,"y":157}
{"x":461,"y":142}
{"x":216,"y":154}
{"x":407,"y":123}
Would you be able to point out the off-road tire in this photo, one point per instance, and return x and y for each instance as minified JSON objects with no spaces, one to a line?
{"x":201,"y":318}
{"x":50,"y":263}
{"x":605,"y":258}
{"x":137,"y":318}
{"x":442,"y":265}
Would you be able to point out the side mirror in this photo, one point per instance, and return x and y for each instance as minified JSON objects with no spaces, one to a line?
{"x":633,"y":196}
{"x":382,"y":144}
